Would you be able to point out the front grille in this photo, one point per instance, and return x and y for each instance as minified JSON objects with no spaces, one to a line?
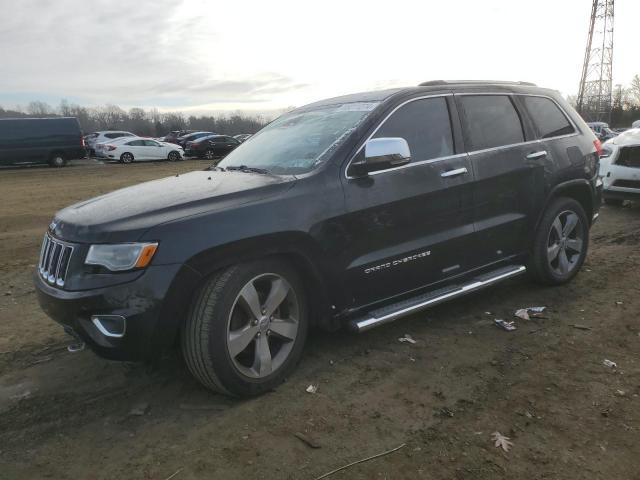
{"x":627,"y":183}
{"x":54,"y":260}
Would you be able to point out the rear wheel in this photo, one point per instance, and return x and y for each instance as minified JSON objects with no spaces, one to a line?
{"x":57,"y":160}
{"x":126,"y":157}
{"x":246,"y":328}
{"x":173,"y":156}
{"x":561,"y":242}
{"x":209,"y":154}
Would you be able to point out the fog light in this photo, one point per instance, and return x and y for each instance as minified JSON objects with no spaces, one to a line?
{"x":113,"y":326}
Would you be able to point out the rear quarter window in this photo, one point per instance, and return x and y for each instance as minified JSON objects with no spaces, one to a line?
{"x":490,"y":121}
{"x":547,"y":117}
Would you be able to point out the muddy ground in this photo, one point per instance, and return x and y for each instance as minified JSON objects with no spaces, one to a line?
{"x":67,"y":416}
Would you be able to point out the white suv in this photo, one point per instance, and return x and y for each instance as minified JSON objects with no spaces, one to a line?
{"x":95,"y":138}
{"x":620,"y":167}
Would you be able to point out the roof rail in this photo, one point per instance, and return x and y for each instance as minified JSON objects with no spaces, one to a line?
{"x":432,"y":83}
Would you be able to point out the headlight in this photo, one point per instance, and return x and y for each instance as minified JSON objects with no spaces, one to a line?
{"x":122,"y":256}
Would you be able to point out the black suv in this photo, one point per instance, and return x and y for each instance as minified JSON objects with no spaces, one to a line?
{"x":355,"y":211}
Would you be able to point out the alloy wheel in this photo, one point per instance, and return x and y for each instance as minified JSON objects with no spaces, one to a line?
{"x":127,"y":158}
{"x":263,"y":325}
{"x":209,"y":155}
{"x":565,"y":243}
{"x":173,"y":156}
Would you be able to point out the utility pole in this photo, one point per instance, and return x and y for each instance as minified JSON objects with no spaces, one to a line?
{"x":595,"y":94}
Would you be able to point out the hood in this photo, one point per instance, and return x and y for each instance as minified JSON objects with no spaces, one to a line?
{"x":124,"y":215}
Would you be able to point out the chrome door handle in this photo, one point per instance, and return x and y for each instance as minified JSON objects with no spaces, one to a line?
{"x":454,"y":173}
{"x":537,"y":155}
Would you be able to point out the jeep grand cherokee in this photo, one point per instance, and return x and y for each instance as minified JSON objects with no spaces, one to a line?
{"x":354,"y":211}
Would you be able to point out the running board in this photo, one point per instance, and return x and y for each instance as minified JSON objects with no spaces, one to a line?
{"x":406,"y":307}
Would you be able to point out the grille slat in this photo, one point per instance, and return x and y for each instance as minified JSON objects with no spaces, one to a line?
{"x":55,"y":257}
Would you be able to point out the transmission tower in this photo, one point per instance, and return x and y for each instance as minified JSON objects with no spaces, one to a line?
{"x":594,"y":97}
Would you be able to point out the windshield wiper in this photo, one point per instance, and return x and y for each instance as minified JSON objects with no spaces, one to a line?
{"x":244,"y":168}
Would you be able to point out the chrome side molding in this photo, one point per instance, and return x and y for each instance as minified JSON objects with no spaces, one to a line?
{"x":371,"y":321}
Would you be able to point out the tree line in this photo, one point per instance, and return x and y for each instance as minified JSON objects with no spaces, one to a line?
{"x":151,"y":123}
{"x":626,"y":104}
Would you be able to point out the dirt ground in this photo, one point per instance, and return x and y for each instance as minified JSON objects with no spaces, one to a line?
{"x":69,"y":416}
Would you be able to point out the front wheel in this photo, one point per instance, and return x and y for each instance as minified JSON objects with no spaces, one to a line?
{"x":209,"y":154}
{"x":174,"y":156}
{"x":126,"y":157}
{"x":561,"y":242}
{"x":246,"y":328}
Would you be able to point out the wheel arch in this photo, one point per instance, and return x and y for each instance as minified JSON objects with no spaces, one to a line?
{"x":295,"y":248}
{"x":579,"y":190}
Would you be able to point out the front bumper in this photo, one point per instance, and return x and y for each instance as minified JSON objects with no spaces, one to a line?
{"x":153,"y":305}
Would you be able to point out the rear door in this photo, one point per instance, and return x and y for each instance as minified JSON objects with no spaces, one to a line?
{"x":508,"y":185}
{"x":137,"y":148}
{"x":409,"y":226}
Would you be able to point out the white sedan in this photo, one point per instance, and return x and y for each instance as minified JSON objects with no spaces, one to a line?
{"x":128,"y":150}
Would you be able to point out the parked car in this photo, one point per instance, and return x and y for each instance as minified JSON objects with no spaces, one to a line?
{"x":602,"y":130}
{"x":182,"y":141}
{"x":242,"y":137}
{"x":140,"y":149}
{"x":210,"y":147}
{"x":54,"y":141}
{"x":355,"y":211}
{"x":620,"y":168}
{"x":172,"y":137}
{"x":636,"y":124}
{"x":95,"y":138}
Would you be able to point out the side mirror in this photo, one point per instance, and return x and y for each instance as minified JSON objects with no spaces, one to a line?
{"x":381,"y":154}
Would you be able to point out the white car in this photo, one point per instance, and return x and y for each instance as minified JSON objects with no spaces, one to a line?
{"x":93,"y":139}
{"x":128,"y":150}
{"x":636,"y":124}
{"x":620,"y":167}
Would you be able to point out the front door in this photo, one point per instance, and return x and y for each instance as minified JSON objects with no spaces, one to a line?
{"x":409,"y":226}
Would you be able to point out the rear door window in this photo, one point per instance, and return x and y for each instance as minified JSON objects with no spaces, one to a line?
{"x":490,"y":121}
{"x":547,"y":117}
{"x":136,"y":143}
{"x":629,"y":157}
{"x":425,"y":125}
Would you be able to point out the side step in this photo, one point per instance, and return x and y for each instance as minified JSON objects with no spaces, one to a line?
{"x":406,"y":307}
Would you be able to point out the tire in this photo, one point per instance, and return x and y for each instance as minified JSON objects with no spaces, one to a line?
{"x":57,"y":160}
{"x":614,"y":202}
{"x":126,"y":157}
{"x":174,"y":156}
{"x":209,"y":154}
{"x":557,"y":255}
{"x":241,"y":364}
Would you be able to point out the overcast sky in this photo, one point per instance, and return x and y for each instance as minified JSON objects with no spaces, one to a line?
{"x":198,"y":55}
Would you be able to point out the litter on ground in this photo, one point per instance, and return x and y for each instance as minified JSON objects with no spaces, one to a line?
{"x":508,"y":326}
{"x":609,"y":363}
{"x":407,"y":339}
{"x":312,"y":389}
{"x":527,"y":313}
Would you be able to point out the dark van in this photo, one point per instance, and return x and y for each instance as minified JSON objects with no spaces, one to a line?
{"x":40,"y":140}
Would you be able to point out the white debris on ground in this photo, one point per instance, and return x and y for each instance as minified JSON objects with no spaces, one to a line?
{"x":508,"y":326}
{"x":527,"y":313}
{"x":312,"y":389}
{"x":609,"y":363}
{"x":407,"y":339}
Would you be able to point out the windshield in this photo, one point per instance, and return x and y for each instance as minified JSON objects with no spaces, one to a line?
{"x":299,"y":141}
